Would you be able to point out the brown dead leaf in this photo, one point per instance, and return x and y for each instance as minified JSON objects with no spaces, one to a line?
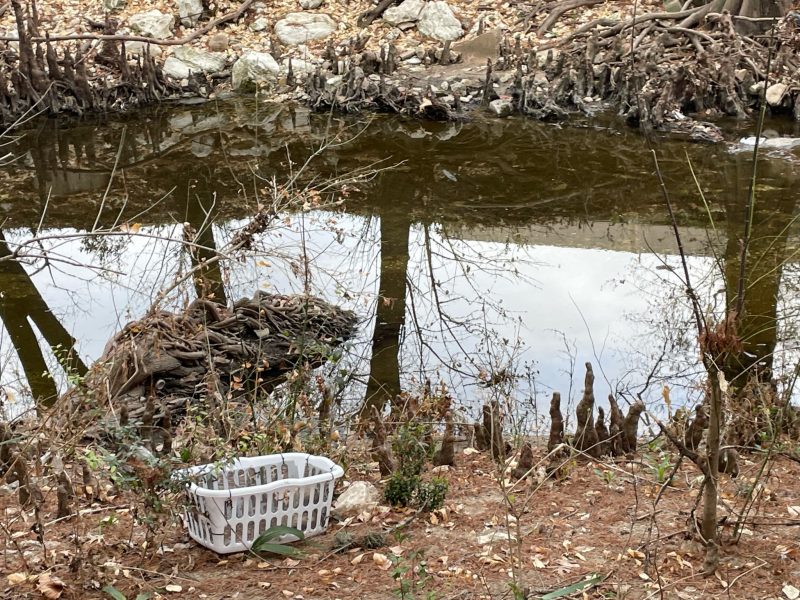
{"x":381,"y":561}
{"x":50,"y":587}
{"x":17,"y":578}
{"x":131,"y":227}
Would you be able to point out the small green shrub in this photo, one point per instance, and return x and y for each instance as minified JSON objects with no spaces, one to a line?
{"x":431,"y":494}
{"x":400,"y":489}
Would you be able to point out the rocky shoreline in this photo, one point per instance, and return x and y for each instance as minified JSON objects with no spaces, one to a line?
{"x":431,"y":59}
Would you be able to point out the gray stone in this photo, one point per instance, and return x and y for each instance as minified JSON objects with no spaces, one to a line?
{"x":218,"y":42}
{"x":360,"y":497}
{"x":438,"y":21}
{"x":114,"y":4}
{"x":332,"y":83}
{"x":776,"y":93}
{"x":299,"y":28}
{"x":175,"y":68}
{"x":198,"y":60}
{"x":260,"y":24}
{"x":481,"y":47}
{"x":502,"y":108}
{"x":495,"y":536}
{"x":189,"y":12}
{"x":181,"y":120}
{"x":252,"y":69}
{"x":310,"y":4}
{"x":203,"y":146}
{"x":141,"y":48}
{"x":152,"y":23}
{"x":407,"y":12}
{"x":299,"y":66}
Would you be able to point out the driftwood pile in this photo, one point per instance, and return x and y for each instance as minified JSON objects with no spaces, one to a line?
{"x":158,"y":366}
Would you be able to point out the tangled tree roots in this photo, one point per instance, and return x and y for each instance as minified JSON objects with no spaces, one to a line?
{"x":658,"y":68}
{"x":62,"y":78}
{"x":161,"y":363}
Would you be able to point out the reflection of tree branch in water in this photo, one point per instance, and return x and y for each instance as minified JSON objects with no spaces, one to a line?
{"x":21,"y":302}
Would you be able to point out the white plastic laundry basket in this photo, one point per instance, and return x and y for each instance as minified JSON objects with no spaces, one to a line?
{"x":231,"y":505}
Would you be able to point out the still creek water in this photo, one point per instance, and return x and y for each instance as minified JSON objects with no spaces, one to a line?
{"x":498,"y":246}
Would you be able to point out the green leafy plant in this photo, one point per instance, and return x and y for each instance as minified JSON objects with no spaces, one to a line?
{"x":405,"y":487}
{"x":411,"y":575}
{"x":431,"y":494}
{"x":400,"y":489}
{"x":660,"y":467}
{"x":265,"y":542}
{"x":115,"y":594}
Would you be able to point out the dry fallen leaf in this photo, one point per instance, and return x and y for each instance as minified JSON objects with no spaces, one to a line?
{"x":357,"y":559}
{"x":50,"y":587}
{"x":382,"y":561}
{"x":17,"y":578}
{"x":131,"y":228}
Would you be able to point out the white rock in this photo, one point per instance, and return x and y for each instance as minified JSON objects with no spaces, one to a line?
{"x":175,"y":68}
{"x":299,"y":28}
{"x":114,"y":4}
{"x":199,"y":60}
{"x":152,"y":23}
{"x":190,"y":11}
{"x":333,"y":82}
{"x":502,"y":108}
{"x":361,"y":496}
{"x":495,"y":536}
{"x":310,"y":4}
{"x":438,"y":21}
{"x":299,"y":66}
{"x":252,"y":69}
{"x":776,"y":93}
{"x":260,"y":24}
{"x":407,"y":12}
{"x":139,"y":49}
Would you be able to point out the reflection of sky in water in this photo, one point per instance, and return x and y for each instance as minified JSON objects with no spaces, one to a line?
{"x":554,"y":304}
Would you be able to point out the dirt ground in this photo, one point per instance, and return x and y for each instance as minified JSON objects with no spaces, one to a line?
{"x":599,"y":518}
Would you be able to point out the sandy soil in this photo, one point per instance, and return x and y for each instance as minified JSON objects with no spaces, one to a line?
{"x":598,"y":519}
